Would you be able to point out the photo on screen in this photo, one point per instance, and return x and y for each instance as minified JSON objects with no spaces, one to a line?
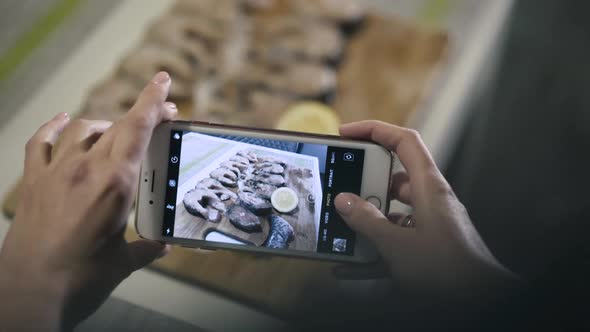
{"x":249,"y":191}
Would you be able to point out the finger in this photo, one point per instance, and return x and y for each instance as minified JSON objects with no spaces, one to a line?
{"x":131,"y":136}
{"x":79,"y":136}
{"x":400,"y":188}
{"x":361,"y":271}
{"x":144,"y":252}
{"x":407,"y":143}
{"x":366,"y":219}
{"x":39,"y":146}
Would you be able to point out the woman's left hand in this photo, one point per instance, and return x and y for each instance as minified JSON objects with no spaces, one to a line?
{"x":65,"y":252}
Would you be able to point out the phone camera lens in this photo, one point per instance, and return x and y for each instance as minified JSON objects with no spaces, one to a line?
{"x":151,"y":202}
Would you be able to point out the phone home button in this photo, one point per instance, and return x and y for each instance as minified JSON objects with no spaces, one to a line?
{"x":375,"y":201}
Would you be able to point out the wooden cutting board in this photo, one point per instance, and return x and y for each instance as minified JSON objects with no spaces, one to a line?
{"x":385,"y":75}
{"x":191,"y":226}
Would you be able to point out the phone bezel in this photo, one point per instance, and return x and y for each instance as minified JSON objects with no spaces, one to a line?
{"x":149,"y":216}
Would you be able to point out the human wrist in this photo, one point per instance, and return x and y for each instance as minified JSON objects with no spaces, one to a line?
{"x":475,"y":281}
{"x":481,"y":285}
{"x":30,"y":298}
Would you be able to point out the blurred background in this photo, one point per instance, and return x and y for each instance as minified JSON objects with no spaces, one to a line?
{"x":498,"y":90}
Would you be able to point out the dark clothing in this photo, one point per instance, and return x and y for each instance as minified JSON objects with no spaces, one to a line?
{"x":523,"y":169}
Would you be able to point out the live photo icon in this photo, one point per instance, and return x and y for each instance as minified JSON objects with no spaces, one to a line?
{"x":348,"y":156}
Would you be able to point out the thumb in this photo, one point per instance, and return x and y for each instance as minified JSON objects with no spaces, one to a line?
{"x":364,"y":218}
{"x":143,"y":252}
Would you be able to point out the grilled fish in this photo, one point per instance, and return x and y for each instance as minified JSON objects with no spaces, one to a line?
{"x":204,"y":202}
{"x":240,"y":159}
{"x":225,"y":176}
{"x":248,"y":155}
{"x":267,"y":167}
{"x":216,"y":187}
{"x":261,"y":190}
{"x":273,"y":160}
{"x":281,"y":233}
{"x":272,"y":179}
{"x":243,"y":219}
{"x":255,"y":204}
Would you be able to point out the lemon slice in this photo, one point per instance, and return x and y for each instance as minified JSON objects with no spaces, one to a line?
{"x":284,"y":200}
{"x":310,"y":117}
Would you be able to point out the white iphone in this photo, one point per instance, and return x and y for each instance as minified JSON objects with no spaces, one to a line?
{"x":220,"y":187}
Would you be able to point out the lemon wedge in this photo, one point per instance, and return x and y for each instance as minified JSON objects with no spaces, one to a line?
{"x":284,"y":200}
{"x":310,"y":117}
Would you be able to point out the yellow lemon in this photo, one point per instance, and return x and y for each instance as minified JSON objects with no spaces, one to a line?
{"x":284,"y":200}
{"x":310,"y":117}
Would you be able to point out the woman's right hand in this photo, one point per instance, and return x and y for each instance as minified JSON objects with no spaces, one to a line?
{"x":443,"y":252}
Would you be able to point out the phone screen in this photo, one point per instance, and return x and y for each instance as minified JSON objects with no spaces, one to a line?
{"x":250,"y":191}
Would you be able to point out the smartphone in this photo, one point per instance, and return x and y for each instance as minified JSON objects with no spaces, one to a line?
{"x":265,"y":191}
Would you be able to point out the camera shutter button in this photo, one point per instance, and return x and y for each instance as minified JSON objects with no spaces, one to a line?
{"x":375,"y":201}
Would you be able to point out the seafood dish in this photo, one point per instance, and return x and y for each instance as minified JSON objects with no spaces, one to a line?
{"x":258,"y":178}
{"x":236,"y":61}
{"x":252,"y":194}
{"x":281,"y":233}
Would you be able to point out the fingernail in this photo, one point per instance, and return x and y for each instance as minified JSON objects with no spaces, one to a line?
{"x":172,"y":110}
{"x":62,"y":115}
{"x":171,"y":105}
{"x":161,"y":78}
{"x":344,"y":203}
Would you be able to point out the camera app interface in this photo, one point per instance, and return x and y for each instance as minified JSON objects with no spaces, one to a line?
{"x":258,"y":192}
